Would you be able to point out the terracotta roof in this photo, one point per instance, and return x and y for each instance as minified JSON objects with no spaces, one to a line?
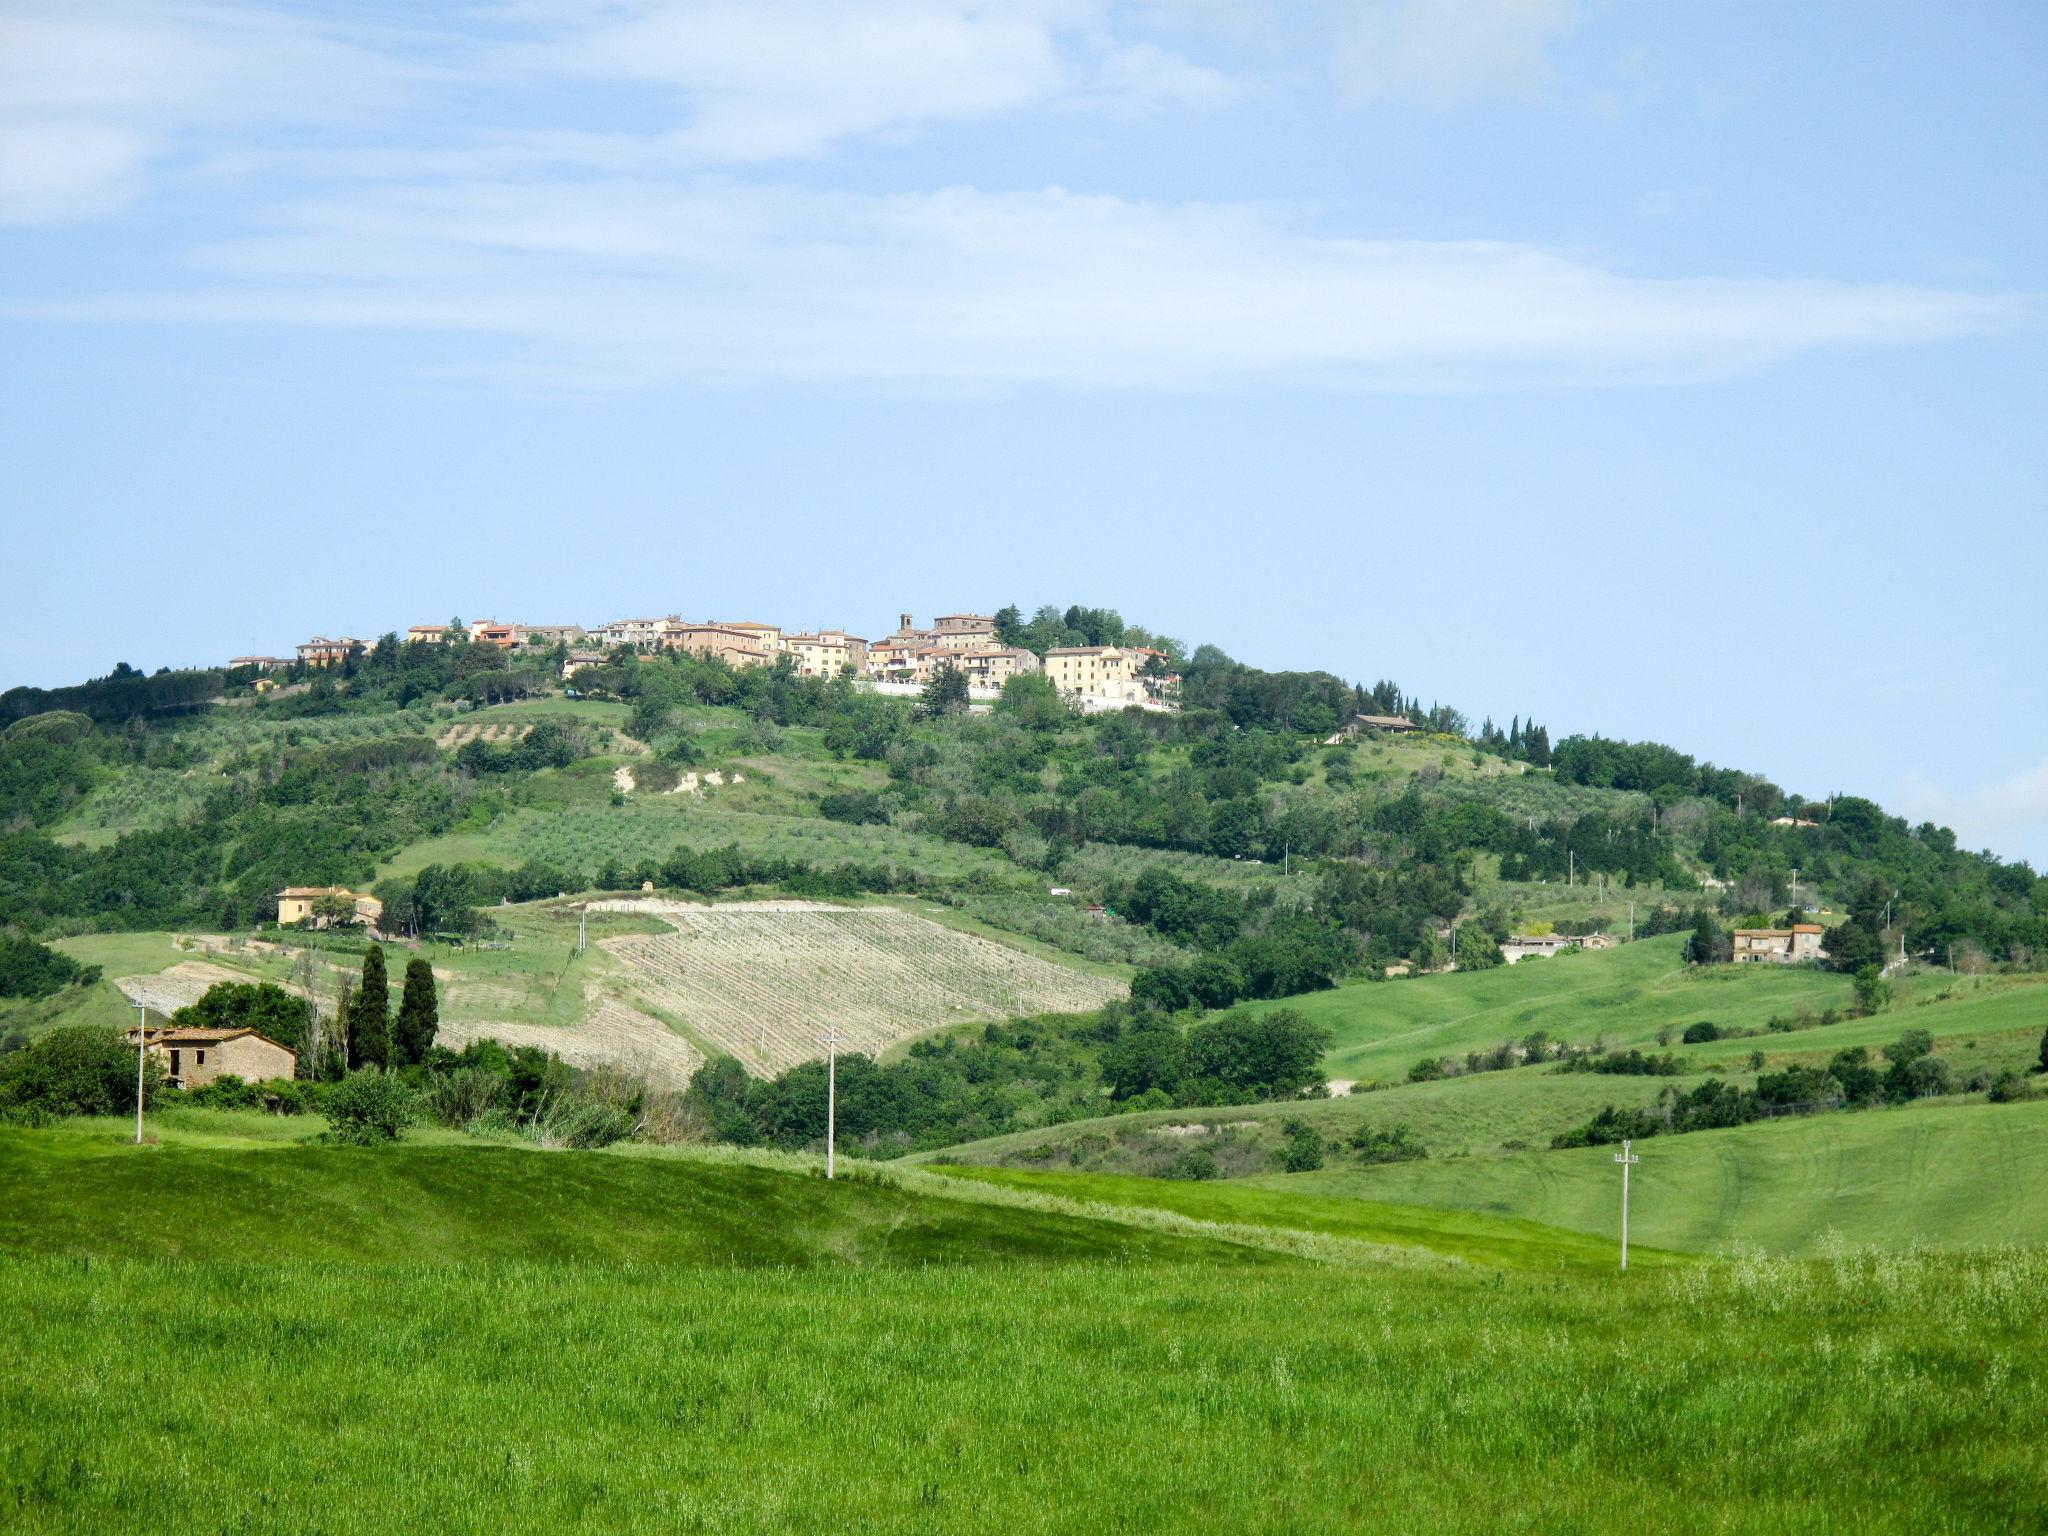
{"x":316,"y":890}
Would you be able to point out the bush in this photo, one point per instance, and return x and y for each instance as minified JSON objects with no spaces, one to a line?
{"x":225,"y":1092}
{"x":580,"y":1123}
{"x":1303,"y":1152}
{"x":78,"y":1069}
{"x":368,"y":1107}
{"x":1395,"y":1144}
{"x":1193,"y":1163}
{"x":1701,"y":1033}
{"x":2009,"y":1088}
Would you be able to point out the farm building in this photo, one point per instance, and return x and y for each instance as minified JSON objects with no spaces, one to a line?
{"x":193,"y":1057}
{"x":325,"y":904}
{"x":1779,"y":946}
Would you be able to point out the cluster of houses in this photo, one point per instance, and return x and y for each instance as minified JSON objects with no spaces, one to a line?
{"x":1096,"y":676}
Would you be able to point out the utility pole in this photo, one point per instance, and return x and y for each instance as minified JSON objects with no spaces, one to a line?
{"x":582,"y":928}
{"x":1571,"y":869}
{"x":831,"y":1039}
{"x":1631,"y":921}
{"x":141,"y":1045}
{"x":1627,"y":1159}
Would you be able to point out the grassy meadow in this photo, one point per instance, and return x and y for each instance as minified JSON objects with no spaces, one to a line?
{"x":1941,"y":1174}
{"x":1023,"y":1383}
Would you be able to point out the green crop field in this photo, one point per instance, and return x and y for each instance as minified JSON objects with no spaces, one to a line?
{"x":1939,"y":1174}
{"x":286,"y":1338}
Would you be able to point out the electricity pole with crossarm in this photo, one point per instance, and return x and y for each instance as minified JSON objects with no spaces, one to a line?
{"x":1627,"y":1159}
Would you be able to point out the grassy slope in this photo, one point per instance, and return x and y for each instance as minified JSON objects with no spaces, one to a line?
{"x":84,"y":1191}
{"x":1943,"y":1175}
{"x":295,"y":1396}
{"x":1626,"y":994}
{"x":1473,"y":1114}
{"x":1476,"y":1237}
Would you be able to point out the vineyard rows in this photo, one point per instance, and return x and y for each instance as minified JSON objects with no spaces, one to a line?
{"x":762,"y":981}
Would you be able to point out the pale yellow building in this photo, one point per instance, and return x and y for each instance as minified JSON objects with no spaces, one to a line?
{"x":300,"y":903}
{"x":825,"y":652}
{"x":1097,"y":671}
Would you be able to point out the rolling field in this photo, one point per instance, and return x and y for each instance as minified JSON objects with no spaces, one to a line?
{"x":761,"y":981}
{"x":1625,"y":996}
{"x":1938,"y":1175}
{"x":1472,"y":1237}
{"x":1455,"y":1117}
{"x":474,"y":1339}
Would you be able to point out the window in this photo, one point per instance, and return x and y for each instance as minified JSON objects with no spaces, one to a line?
{"x":175,"y":1065}
{"x":199,"y":1058}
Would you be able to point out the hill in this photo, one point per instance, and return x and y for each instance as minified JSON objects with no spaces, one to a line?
{"x":1937,"y":1175}
{"x":226,"y":1189}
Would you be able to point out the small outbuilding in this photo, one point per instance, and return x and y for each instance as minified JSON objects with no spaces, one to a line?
{"x":192,"y":1057}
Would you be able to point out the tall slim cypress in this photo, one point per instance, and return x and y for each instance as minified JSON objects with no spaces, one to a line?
{"x":419,"y":1014}
{"x":369,"y":1031}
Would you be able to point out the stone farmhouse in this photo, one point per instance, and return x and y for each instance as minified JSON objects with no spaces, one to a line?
{"x":194,"y":1057}
{"x":1779,"y":946}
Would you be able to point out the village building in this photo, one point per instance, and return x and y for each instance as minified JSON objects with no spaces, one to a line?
{"x":546,"y":637}
{"x":491,"y":632}
{"x":195,"y":1057}
{"x":735,"y":646}
{"x":431,"y":634}
{"x":326,"y":651}
{"x":1111,"y":672}
{"x":991,"y":666}
{"x":325,"y":904}
{"x":825,"y":652}
{"x":767,"y":636}
{"x":1779,"y":946}
{"x":950,"y":631}
{"x":260,"y":663}
{"x":1393,"y":725}
{"x":640,"y":633}
{"x":578,"y":660}
{"x":1523,"y":946}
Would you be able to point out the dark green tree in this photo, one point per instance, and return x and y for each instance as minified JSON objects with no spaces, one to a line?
{"x":2043,"y":1067}
{"x":369,"y":1025}
{"x":1873,"y":992}
{"x":259,"y":1005}
{"x":1708,"y":944}
{"x":946,"y":693}
{"x":419,"y":1014}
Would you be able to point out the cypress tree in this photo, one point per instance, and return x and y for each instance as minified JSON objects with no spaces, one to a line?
{"x":369,"y":1030}
{"x":2044,"y":1052}
{"x":419,"y":1015}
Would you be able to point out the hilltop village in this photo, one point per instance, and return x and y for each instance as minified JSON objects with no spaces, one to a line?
{"x":975,"y":645}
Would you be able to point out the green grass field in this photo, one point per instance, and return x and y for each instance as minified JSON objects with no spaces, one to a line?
{"x":476,"y":1339}
{"x":1472,"y":1237}
{"x":1939,"y":1175}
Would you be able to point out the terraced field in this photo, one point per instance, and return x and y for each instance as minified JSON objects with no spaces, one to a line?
{"x":763,"y":980}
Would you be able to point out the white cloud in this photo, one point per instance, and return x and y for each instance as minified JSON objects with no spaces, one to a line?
{"x":1443,"y":51}
{"x":95,"y":93}
{"x":636,"y":282}
{"x":2009,"y":816}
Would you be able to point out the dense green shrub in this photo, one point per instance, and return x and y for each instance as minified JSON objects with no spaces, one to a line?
{"x":77,"y":1069}
{"x":1302,"y":1151}
{"x":368,"y":1107}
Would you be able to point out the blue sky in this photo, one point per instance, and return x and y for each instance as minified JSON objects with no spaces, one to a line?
{"x":1670,"y":371}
